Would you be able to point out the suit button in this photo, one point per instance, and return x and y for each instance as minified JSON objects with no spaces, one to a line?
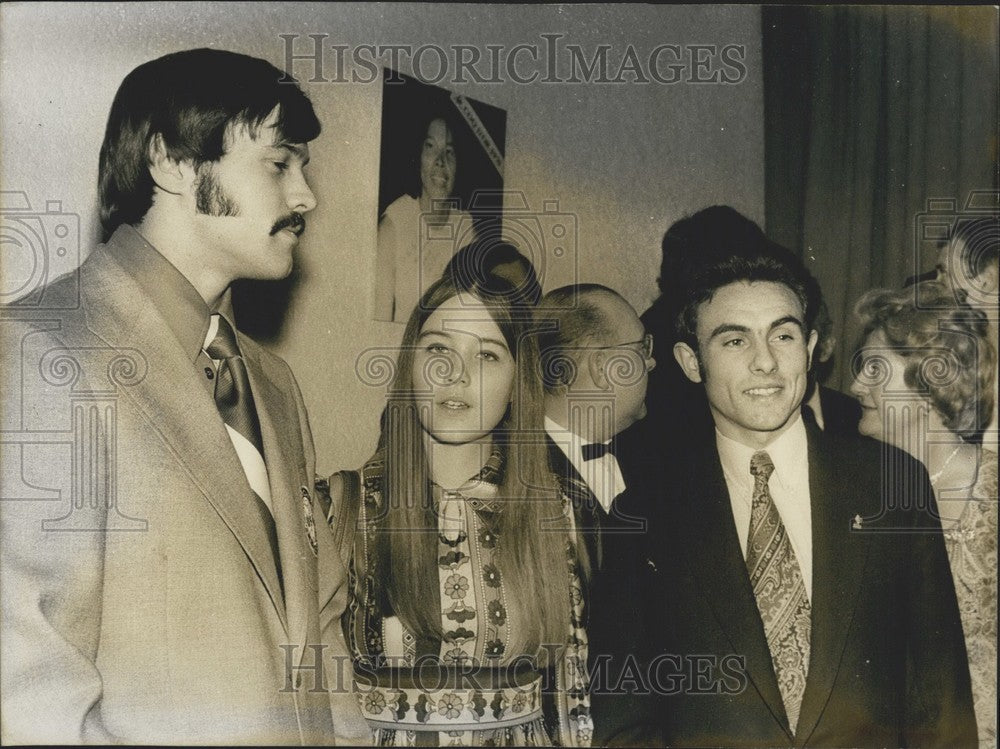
{"x":209,"y":373}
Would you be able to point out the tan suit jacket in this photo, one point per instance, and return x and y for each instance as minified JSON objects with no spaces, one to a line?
{"x":140,"y":596}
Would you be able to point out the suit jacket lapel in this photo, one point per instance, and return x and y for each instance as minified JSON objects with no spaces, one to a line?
{"x":279,"y":426}
{"x":839,"y":559}
{"x":589,"y":512}
{"x":706,"y":529}
{"x":176,"y":404}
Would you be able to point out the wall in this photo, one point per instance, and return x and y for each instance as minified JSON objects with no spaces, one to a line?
{"x":624,"y":159}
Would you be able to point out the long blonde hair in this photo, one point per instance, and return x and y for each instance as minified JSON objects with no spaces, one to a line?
{"x":532,"y":530}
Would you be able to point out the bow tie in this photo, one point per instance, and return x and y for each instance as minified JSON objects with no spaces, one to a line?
{"x":598,"y":450}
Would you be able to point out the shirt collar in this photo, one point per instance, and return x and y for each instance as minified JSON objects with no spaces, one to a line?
{"x":789,"y":453}
{"x":602,"y":476}
{"x":480,"y":490}
{"x":569,"y":442}
{"x":490,"y":474}
{"x":167,"y":289}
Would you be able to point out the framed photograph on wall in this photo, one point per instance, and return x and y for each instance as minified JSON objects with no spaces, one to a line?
{"x":440,"y":186}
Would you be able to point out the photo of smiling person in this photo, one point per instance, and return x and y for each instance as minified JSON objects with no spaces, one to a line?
{"x":468,"y":588}
{"x":440,"y":177}
{"x":416,"y":235}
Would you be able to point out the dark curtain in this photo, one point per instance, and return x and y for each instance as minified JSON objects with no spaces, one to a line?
{"x":879,"y":122}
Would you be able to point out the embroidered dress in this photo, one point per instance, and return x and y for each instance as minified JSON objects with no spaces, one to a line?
{"x":972,"y":553}
{"x":467,"y":689}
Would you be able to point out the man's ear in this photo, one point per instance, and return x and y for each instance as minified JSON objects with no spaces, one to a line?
{"x":688,"y":359}
{"x":810,"y":347}
{"x":596,"y":360}
{"x":170,"y":175}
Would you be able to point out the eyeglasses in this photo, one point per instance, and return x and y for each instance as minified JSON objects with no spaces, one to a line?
{"x":646,"y":342}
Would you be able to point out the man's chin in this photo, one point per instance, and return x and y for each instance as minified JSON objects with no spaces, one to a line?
{"x":635,"y":417}
{"x":777,"y":426}
{"x":769,"y":425}
{"x":277,"y":272}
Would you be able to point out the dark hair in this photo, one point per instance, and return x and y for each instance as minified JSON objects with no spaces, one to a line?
{"x":980,"y":244}
{"x":191,"y":99}
{"x":534,"y":564}
{"x":711,"y":239}
{"x":772,"y":263}
{"x":569,"y":318}
{"x":702,"y":239}
{"x":482,"y":261}
{"x":412,"y":182}
{"x":949,"y":357}
{"x":826,"y":342}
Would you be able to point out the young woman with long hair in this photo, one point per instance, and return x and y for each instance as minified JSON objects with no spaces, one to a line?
{"x":466,"y":605}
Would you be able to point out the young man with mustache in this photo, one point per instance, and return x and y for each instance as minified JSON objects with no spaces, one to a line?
{"x":185,"y":594}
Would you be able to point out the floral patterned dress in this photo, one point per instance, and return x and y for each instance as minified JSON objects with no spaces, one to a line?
{"x":972,"y":553}
{"x":466,"y":689}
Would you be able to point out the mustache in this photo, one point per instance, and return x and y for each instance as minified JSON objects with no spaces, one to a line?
{"x":293,"y":221}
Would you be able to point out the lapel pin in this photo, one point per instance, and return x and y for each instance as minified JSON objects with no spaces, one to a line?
{"x":310,"y":523}
{"x":858,"y":522}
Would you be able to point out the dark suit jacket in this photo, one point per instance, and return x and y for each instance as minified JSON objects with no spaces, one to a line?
{"x":593,"y":522}
{"x":590,"y":516}
{"x":606,"y":577}
{"x":888,"y":662}
{"x":841,"y":413}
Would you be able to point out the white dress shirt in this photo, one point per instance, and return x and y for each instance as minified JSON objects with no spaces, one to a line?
{"x":789,"y":485}
{"x":603,"y":475}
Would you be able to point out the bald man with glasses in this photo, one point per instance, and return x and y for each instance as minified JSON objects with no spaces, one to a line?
{"x":596,"y":356}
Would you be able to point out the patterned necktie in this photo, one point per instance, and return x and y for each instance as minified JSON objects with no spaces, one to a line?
{"x":779,"y":589}
{"x":234,"y":400}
